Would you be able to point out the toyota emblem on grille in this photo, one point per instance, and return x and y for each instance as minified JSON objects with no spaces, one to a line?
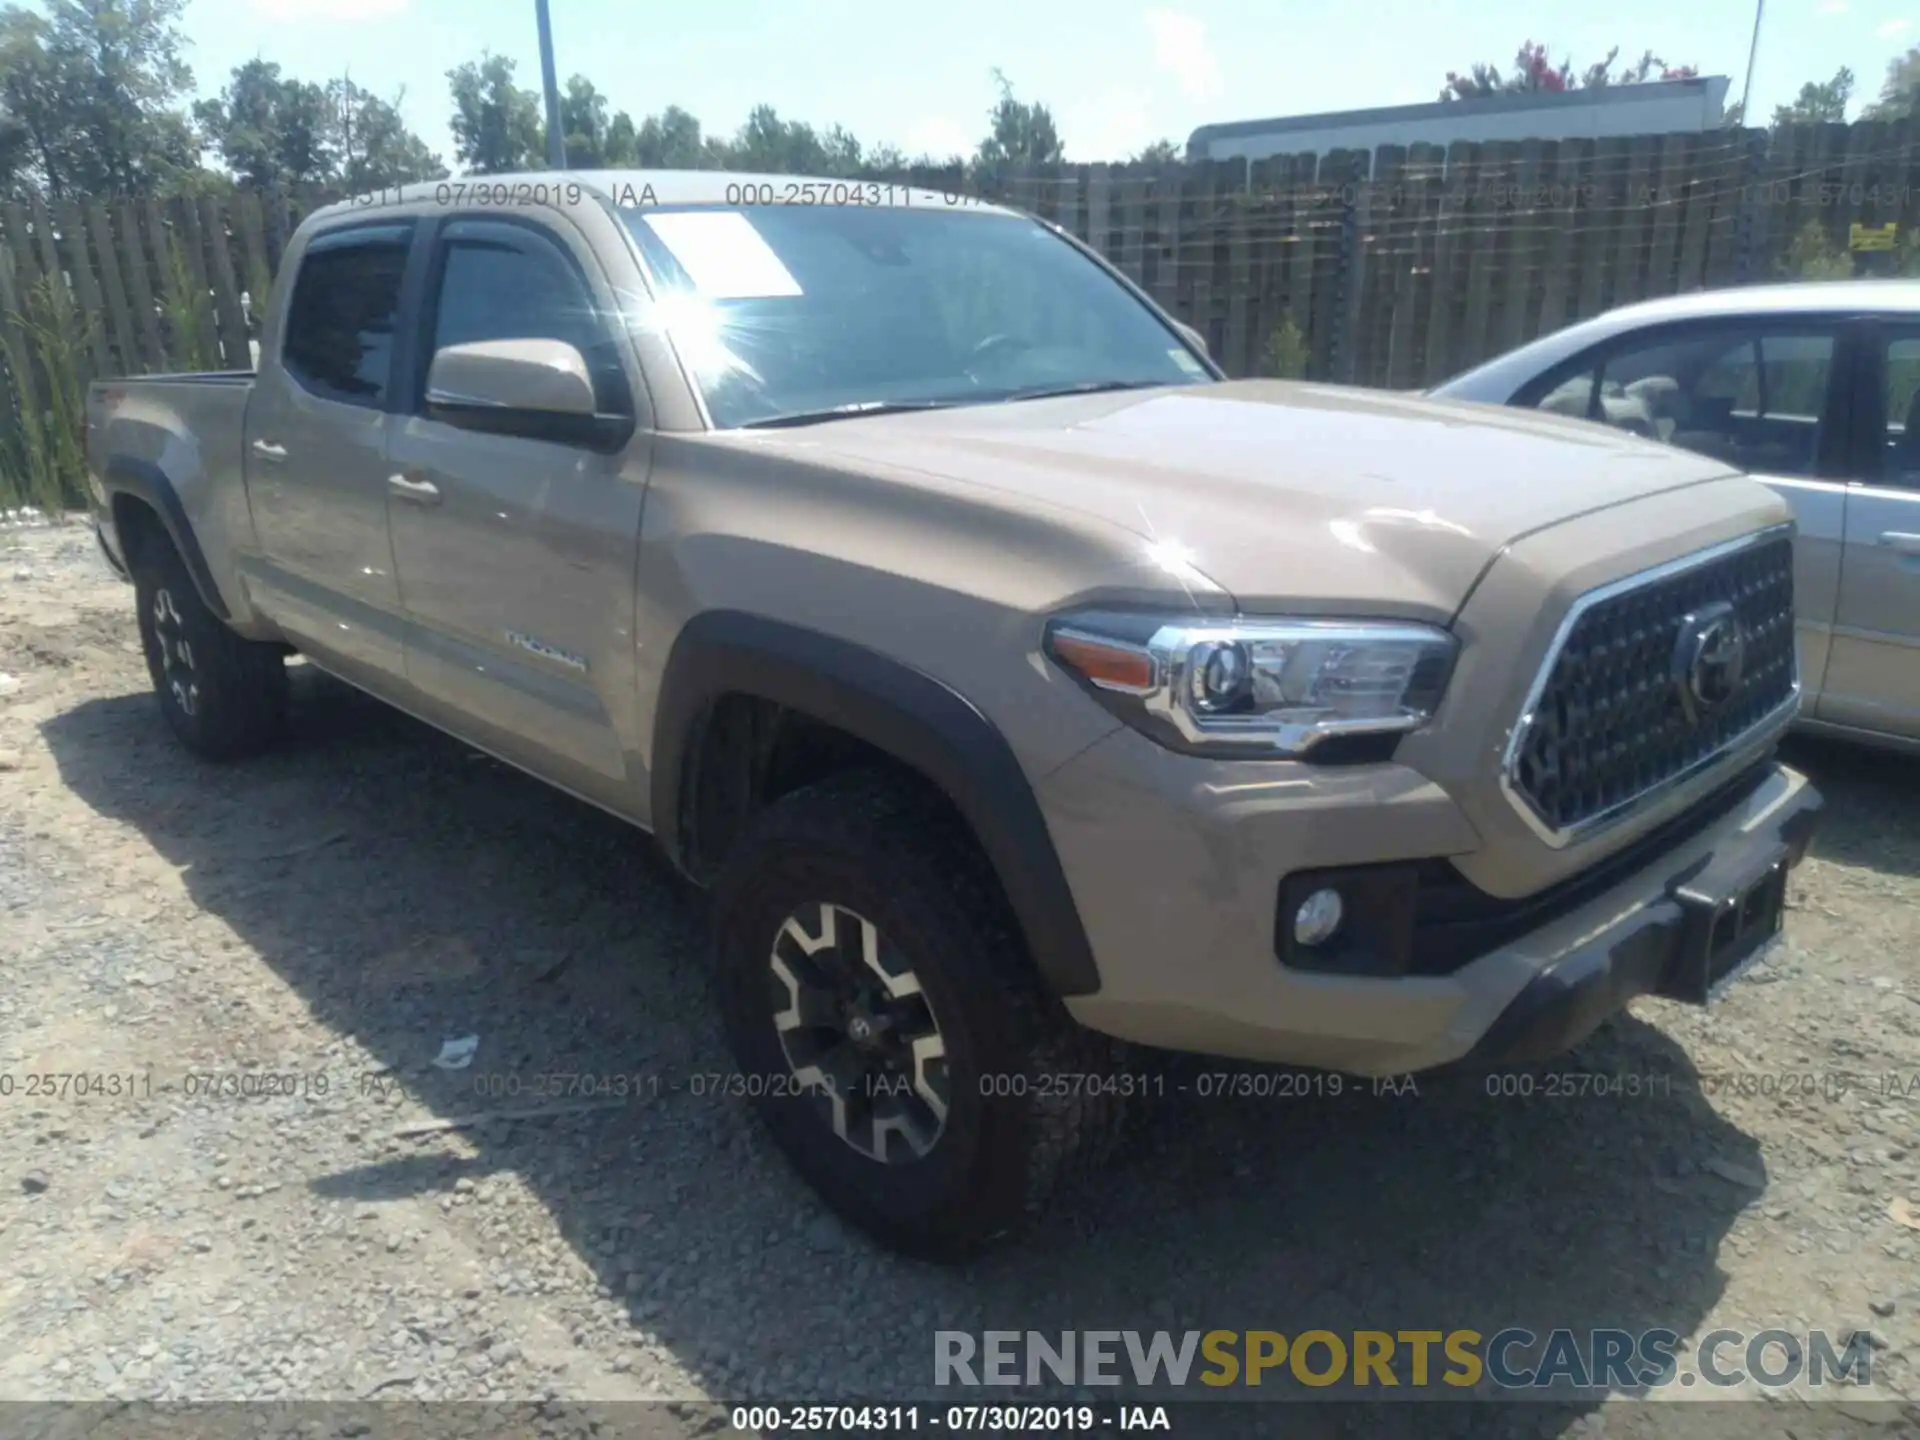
{"x":1708,"y":658}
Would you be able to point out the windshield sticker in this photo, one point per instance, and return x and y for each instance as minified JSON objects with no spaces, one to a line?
{"x":724,"y":256}
{"x":1184,"y":359}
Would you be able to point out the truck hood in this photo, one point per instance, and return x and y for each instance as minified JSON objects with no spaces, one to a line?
{"x":1282,"y":493}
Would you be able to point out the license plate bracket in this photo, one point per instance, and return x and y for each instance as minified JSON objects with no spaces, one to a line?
{"x":1733,"y":917}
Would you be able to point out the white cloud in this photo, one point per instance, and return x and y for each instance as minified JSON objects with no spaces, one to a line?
{"x":938,"y":137}
{"x":1894,"y":27}
{"x":289,"y":11}
{"x":1834,"y":7}
{"x":1180,"y":49}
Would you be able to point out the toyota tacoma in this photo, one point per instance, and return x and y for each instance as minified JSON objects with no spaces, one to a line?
{"x":1022,"y":689}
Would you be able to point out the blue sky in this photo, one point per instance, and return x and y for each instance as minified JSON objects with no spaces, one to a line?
{"x":1117,"y":75}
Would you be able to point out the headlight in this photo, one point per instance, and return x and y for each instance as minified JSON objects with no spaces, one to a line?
{"x":1257,"y":687}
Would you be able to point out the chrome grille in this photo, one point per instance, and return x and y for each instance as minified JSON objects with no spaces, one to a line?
{"x":1613,"y":719}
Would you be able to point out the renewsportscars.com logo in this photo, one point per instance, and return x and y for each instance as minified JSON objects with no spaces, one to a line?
{"x":1429,"y":1362}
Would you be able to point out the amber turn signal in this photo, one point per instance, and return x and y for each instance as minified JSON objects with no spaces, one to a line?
{"x":1116,"y":667}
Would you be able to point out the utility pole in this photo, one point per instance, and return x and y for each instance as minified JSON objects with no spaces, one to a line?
{"x":1753,"y":55}
{"x":556,"y":137}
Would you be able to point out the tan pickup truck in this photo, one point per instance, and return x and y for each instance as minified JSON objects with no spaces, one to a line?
{"x":1018,"y":684}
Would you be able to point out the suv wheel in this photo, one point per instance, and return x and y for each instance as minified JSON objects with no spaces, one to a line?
{"x":224,"y":696}
{"x":888,"y":1026}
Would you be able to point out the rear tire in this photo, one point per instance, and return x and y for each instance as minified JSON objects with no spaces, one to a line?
{"x":224,"y":696}
{"x":990,"y":1097}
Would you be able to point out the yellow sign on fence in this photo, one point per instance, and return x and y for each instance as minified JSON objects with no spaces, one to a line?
{"x":1871,"y":237}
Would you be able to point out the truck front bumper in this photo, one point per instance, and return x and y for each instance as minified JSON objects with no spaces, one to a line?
{"x":1178,"y":867}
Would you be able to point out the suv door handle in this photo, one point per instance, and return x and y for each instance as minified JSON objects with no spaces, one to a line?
{"x":414,"y":492}
{"x":1903,"y":541}
{"x":269,"y":451}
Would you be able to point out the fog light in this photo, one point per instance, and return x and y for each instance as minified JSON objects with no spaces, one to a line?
{"x":1318,"y":917}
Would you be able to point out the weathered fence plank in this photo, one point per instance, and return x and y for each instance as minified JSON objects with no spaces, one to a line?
{"x":1669,"y":193}
{"x":1521,"y":257}
{"x":186,"y":217}
{"x":14,"y":280}
{"x":232,"y":320}
{"x":126,"y":340}
{"x":1238,"y":354}
{"x":1450,"y":237}
{"x":90,"y":310}
{"x":134,"y":251}
{"x":1703,"y":183}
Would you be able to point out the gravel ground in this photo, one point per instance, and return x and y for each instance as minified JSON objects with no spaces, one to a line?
{"x":272,"y":1203}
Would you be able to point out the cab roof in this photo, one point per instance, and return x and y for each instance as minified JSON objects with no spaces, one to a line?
{"x":643,"y":188}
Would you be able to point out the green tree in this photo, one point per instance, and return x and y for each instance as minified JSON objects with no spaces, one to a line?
{"x":670,"y":140}
{"x":32,"y":132}
{"x":1160,"y":152}
{"x":1825,"y":101}
{"x":1022,"y":134}
{"x":884,"y":162}
{"x":583,"y":120}
{"x":271,"y":129}
{"x":790,"y":147}
{"x":1900,"y":92}
{"x":372,"y":144}
{"x":92,"y":94}
{"x":1813,"y":255}
{"x":496,"y":125}
{"x":623,"y":141}
{"x":268,"y":128}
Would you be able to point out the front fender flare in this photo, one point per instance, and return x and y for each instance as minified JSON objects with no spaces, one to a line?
{"x":899,"y":710}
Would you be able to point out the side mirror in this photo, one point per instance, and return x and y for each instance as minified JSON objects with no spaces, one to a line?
{"x":536,"y":389}
{"x":1193,"y":337}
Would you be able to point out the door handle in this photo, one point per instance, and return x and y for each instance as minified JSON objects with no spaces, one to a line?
{"x":269,"y":451}
{"x":1904,"y":541}
{"x":414,"y":492}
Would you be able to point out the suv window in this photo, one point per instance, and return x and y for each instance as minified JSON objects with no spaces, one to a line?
{"x":1901,"y":463}
{"x":503,"y":290}
{"x":340,"y":321}
{"x":1747,"y":397}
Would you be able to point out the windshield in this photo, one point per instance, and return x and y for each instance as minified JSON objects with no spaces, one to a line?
{"x":795,"y":311}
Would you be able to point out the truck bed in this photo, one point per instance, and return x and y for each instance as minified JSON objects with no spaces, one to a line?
{"x":175,"y":440}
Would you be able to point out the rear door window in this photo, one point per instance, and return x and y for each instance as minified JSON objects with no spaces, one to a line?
{"x":1900,"y":455}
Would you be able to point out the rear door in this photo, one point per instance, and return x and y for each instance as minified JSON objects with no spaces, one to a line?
{"x":517,"y":555}
{"x":316,"y":454}
{"x":1761,"y":394}
{"x":1873,"y":681}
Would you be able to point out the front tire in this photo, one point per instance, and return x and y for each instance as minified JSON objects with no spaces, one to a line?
{"x":890,"y":1029}
{"x":223,"y":696}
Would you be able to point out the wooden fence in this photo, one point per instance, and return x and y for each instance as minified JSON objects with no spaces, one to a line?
{"x":1394,"y":268}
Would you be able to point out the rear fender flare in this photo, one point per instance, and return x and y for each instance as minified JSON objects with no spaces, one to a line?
{"x":147,"y":482}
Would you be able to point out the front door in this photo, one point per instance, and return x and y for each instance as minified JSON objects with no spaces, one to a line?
{"x":517,"y":556}
{"x":1873,"y":681}
{"x":316,"y":456}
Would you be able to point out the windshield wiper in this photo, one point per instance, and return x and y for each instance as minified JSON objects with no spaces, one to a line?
{"x":849,"y":411}
{"x":1086,"y":387}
